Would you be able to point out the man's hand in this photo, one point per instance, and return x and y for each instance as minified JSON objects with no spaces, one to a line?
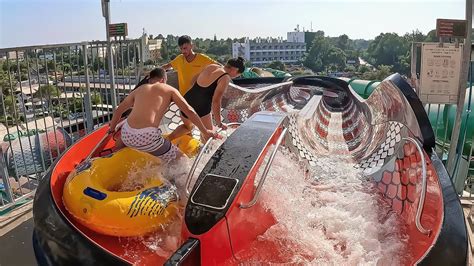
{"x":223,"y":126}
{"x":111,"y":128}
{"x":210,"y":134}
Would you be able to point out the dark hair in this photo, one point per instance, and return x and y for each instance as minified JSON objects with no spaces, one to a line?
{"x":157,"y":73}
{"x":183,"y":40}
{"x":237,"y":63}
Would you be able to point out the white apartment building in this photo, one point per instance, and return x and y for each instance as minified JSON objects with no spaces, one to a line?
{"x":151,"y":48}
{"x":263,"y":51}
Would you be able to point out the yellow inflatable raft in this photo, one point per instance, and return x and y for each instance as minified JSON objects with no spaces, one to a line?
{"x":93,"y":193}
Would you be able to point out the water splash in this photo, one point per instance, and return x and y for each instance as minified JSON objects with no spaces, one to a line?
{"x":327,"y":214}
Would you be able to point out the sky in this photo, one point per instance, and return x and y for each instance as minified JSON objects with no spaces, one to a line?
{"x":37,"y":22}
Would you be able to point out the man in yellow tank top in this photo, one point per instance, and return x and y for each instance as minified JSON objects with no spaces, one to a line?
{"x":188,"y":64}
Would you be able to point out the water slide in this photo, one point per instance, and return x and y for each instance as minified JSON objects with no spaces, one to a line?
{"x":315,"y":174}
{"x":441,"y":116}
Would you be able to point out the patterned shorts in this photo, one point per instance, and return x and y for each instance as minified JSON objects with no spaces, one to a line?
{"x":149,"y":140}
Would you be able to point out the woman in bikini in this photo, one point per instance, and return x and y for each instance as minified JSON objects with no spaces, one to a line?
{"x":206,"y":94}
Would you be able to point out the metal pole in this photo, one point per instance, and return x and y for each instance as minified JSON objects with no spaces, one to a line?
{"x":462,"y":94}
{"x":106,"y":14}
{"x":87,"y":98}
{"x":5,"y":176}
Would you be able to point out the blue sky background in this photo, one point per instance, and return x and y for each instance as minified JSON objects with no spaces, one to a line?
{"x":31,"y":22}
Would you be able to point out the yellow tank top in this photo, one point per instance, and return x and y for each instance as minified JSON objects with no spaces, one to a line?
{"x":187,"y":70}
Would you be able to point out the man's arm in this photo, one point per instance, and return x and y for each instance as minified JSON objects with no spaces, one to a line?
{"x":172,"y":64}
{"x":166,"y":66}
{"x":188,"y":111}
{"x":126,"y":104}
{"x":217,"y":99}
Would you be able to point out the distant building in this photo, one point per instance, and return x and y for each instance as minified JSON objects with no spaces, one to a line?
{"x":99,"y":52}
{"x":16,"y":54}
{"x":151,"y":48}
{"x":263,"y":51}
{"x":25,"y":97}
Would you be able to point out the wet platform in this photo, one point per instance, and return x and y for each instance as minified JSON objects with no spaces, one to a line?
{"x":16,"y":230}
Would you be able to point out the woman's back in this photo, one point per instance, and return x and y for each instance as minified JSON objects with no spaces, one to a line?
{"x":201,"y":93}
{"x":210,"y":74}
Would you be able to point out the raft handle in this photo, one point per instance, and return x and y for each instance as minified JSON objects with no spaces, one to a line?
{"x":265,"y":172}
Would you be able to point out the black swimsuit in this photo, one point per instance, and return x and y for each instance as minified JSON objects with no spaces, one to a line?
{"x":200,"y":98}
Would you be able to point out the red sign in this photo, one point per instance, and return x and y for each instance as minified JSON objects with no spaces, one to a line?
{"x":455,"y":28}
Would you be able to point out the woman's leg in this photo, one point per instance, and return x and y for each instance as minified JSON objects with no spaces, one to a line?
{"x":207,"y":121}
{"x":182,"y":129}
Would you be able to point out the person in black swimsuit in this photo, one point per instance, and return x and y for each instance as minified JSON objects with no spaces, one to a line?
{"x":206,"y":94}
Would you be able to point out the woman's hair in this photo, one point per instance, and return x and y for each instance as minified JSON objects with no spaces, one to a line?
{"x":237,"y":63}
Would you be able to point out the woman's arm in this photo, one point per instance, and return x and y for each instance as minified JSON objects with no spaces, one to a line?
{"x":222,"y":85}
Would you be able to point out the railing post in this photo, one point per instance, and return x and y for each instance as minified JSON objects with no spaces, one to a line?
{"x":453,"y":148}
{"x":5,"y":176}
{"x":106,"y":14}
{"x":87,"y":98}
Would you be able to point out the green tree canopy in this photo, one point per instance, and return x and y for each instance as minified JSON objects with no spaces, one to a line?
{"x":95,"y":98}
{"x":389,"y":49}
{"x":277,"y":65}
{"x":46,"y":91}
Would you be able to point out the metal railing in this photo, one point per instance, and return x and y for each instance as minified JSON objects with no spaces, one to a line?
{"x":51,"y":95}
{"x":265,"y":172}
{"x":424,"y":184}
{"x":442,"y":118}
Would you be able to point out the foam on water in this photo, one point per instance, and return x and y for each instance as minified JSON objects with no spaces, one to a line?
{"x":328,"y":214}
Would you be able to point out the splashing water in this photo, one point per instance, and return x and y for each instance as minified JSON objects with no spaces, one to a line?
{"x":165,"y":242}
{"x":327,"y":214}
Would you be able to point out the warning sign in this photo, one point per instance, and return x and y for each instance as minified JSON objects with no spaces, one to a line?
{"x":440,"y":72}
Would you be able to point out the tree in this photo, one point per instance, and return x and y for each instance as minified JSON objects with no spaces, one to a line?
{"x":98,"y":64}
{"x":164,"y":50}
{"x":336,"y":57}
{"x":389,"y":49}
{"x":218,"y":49}
{"x":5,"y":83}
{"x":343,"y":42}
{"x":277,"y":65}
{"x":323,"y":56}
{"x":414,"y":36}
{"x":11,"y":106}
{"x":48,"y":91}
{"x":380,"y":73}
{"x":96,"y":99}
{"x":314,"y":58}
{"x":431,"y":36}
{"x":363,"y":68}
{"x":75,"y":105}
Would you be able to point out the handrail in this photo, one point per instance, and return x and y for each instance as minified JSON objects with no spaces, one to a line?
{"x":198,"y":158}
{"x":421,"y":203}
{"x":265,"y":172}
{"x":107,"y":134}
{"x":60,"y":45}
{"x":97,"y":146}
